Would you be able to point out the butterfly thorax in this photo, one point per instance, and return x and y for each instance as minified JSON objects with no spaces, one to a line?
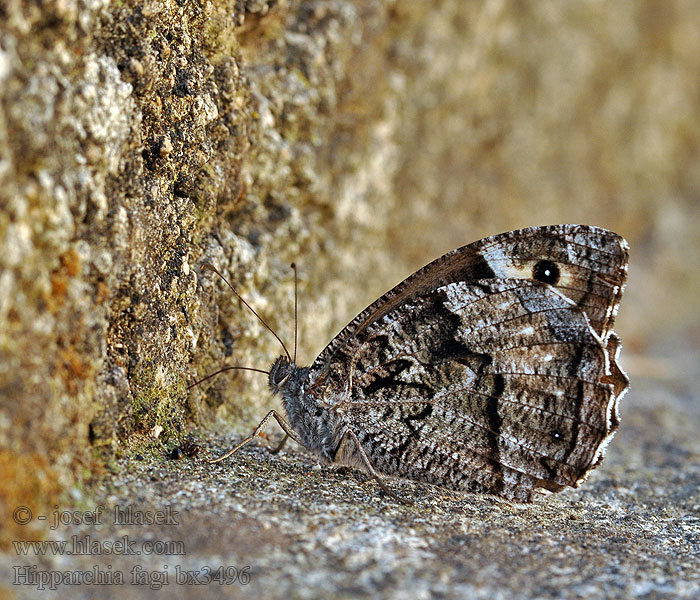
{"x":317,"y":428}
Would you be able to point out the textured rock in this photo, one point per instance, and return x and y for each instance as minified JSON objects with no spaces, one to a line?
{"x":360,"y":139}
{"x":633,"y":530}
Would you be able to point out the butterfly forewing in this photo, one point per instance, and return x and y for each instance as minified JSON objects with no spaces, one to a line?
{"x":589,"y":265}
{"x":489,"y":368}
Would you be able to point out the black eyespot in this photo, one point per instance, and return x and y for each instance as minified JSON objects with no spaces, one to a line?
{"x":546,"y":271}
{"x":555,"y":434}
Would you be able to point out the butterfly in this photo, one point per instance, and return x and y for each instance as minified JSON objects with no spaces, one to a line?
{"x":492,"y":369}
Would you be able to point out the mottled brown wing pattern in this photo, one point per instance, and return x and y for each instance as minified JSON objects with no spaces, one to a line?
{"x":492,"y":368}
{"x":591,"y":263}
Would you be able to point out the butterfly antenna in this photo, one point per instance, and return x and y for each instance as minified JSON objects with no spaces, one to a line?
{"x":203,"y":379}
{"x":210,"y":267}
{"x":296,"y":320}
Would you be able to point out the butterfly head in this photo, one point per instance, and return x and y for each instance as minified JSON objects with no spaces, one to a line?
{"x":280,"y":372}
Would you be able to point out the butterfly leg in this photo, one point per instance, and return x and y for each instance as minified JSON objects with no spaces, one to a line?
{"x":281,"y":444}
{"x":282,"y":423}
{"x":350,"y":434}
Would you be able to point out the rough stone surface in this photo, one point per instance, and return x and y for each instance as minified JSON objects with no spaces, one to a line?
{"x":359,"y":139}
{"x":304,"y":531}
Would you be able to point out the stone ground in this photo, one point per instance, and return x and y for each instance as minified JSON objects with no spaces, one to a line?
{"x":294,"y":529}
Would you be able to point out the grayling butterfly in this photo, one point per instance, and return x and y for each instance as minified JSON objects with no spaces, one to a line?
{"x":492,"y":369}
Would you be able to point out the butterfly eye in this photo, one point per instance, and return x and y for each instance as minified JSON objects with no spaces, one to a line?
{"x":546,"y":271}
{"x":280,"y":371}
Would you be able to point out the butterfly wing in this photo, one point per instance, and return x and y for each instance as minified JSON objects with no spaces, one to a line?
{"x":493,"y":368}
